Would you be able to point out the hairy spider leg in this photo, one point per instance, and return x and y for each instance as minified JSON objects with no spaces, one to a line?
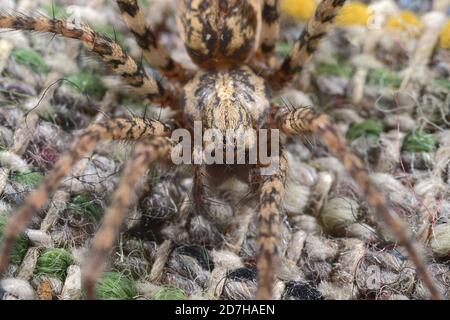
{"x":147,"y":85}
{"x":316,"y":28}
{"x":153,"y":51}
{"x":146,"y":152}
{"x":118,"y":129}
{"x":305,"y":120}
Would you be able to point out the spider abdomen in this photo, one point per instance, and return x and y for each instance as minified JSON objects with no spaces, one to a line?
{"x":219,"y":31}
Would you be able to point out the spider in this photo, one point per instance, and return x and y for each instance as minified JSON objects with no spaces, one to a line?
{"x":232,"y":43}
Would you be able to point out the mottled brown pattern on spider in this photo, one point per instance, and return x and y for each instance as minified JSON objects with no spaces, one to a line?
{"x":109,"y":51}
{"x":270,"y":208}
{"x":226,"y":98}
{"x":315,"y":30}
{"x":221,"y":37}
{"x":217,"y":32}
{"x":154,"y":53}
{"x":146,"y":152}
{"x":270,"y":26}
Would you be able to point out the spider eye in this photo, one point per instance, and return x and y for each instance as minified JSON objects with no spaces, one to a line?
{"x":215,"y":30}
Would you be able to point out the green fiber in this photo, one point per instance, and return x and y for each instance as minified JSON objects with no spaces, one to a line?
{"x":338,"y":69}
{"x":419,"y":141}
{"x":115,"y":286}
{"x":58,"y":12}
{"x":86,"y":205}
{"x":88,"y":83}
{"x":443,"y":83}
{"x":383,"y":78}
{"x":30,"y":58}
{"x":54,"y":263}
{"x":368,"y":128}
{"x":31,"y":179}
{"x":170,"y":293}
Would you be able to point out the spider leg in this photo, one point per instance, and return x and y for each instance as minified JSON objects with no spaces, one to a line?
{"x":307,"y":43}
{"x":117,"y":129}
{"x":147,"y":85}
{"x":270,"y":207}
{"x":199,"y":190}
{"x":270,"y":29}
{"x":305,"y":120}
{"x":146,"y":152}
{"x":154,"y":53}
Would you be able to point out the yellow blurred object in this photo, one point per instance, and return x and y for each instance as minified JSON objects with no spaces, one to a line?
{"x":405,"y":21}
{"x":444,"y":39}
{"x":353,"y":14}
{"x":299,"y":9}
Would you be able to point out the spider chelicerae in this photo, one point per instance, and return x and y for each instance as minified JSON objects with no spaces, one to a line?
{"x":232,"y":43}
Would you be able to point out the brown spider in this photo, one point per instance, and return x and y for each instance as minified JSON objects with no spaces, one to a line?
{"x":232,"y":42}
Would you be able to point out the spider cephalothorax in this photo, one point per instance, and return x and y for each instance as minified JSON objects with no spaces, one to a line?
{"x":229,"y":91}
{"x":228,"y":97}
